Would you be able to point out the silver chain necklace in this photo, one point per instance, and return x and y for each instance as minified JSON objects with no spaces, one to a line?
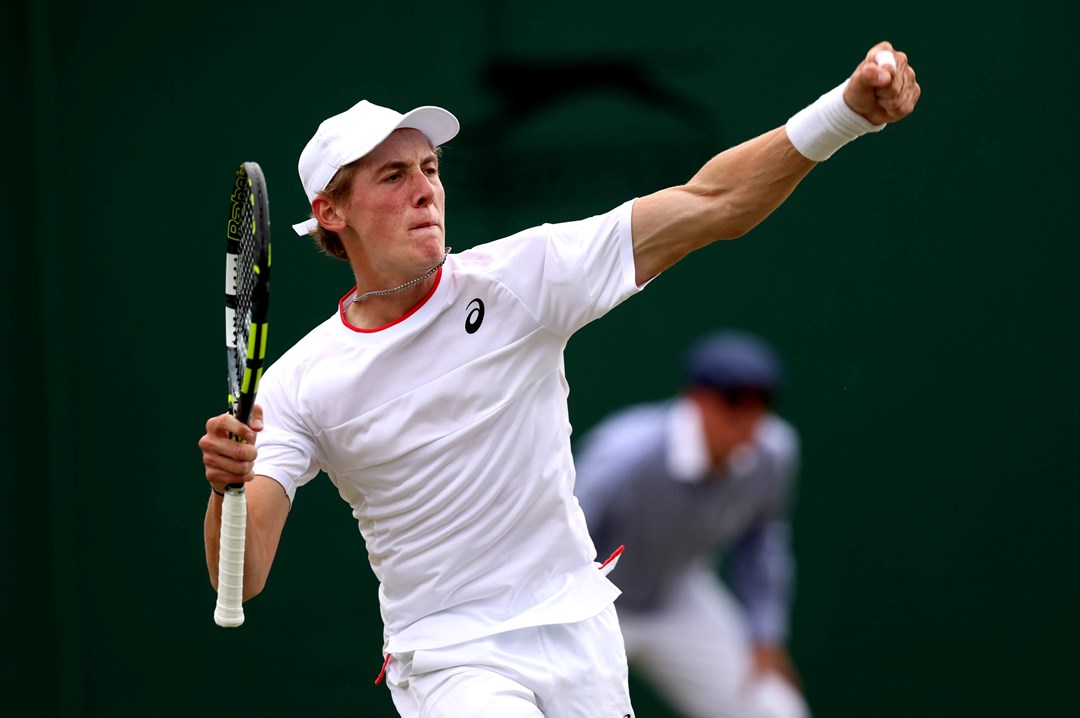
{"x":406,"y":285}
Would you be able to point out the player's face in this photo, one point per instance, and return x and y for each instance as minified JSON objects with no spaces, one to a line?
{"x":396,"y":209}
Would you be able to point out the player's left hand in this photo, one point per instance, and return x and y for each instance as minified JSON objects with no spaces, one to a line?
{"x":882,"y":92}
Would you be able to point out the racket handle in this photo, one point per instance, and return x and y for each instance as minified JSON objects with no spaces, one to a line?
{"x":229,"y":612}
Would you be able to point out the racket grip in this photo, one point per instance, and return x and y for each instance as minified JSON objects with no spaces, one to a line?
{"x":229,"y":612}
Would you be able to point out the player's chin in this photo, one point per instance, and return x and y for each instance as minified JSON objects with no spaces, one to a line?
{"x":429,"y":241}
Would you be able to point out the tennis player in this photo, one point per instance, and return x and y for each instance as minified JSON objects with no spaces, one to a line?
{"x":708,"y":474}
{"x":434,"y":398}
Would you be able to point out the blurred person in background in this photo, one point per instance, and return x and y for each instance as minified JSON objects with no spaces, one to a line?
{"x":684,"y":483}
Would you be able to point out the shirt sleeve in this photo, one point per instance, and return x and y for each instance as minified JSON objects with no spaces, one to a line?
{"x":598,"y":254}
{"x":761,"y":567}
{"x":569,"y":273}
{"x":760,"y":571}
{"x":286,"y":449}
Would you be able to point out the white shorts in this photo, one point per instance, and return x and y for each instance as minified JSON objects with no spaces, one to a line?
{"x":573,"y":670}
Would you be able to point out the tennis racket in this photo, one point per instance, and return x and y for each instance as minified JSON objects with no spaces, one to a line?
{"x":247,"y":296}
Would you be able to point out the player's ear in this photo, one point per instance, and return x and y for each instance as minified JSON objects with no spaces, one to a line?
{"x":327,"y":214}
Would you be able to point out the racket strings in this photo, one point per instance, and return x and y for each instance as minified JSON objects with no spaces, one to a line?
{"x":245,"y":279}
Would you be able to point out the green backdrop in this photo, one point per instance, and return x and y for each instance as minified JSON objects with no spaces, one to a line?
{"x":921,"y":286}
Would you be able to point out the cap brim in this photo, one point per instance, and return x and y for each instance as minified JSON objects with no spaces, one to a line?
{"x":437,"y":124}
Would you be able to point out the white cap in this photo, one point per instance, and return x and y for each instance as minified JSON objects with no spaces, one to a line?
{"x":347,"y":137}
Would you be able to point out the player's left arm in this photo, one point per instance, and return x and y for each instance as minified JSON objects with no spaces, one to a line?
{"x":741,"y":186}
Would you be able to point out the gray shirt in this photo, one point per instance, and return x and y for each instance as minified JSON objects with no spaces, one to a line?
{"x":643,"y":481}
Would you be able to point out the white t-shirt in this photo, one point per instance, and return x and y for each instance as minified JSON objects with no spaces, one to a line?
{"x":448,"y":434}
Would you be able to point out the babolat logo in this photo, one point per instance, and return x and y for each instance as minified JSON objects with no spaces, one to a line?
{"x":474,"y":316}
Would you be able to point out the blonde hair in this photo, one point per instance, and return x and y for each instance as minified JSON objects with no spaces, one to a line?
{"x":337,"y":190}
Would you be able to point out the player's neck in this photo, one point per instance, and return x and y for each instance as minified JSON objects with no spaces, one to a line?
{"x":375,"y":311}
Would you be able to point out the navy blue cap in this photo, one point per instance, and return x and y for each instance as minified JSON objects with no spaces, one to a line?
{"x":732,"y":360}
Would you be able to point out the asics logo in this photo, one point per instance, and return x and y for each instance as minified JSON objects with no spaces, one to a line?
{"x":474,"y":316}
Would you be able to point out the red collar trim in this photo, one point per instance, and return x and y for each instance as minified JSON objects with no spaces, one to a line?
{"x":349,"y":295}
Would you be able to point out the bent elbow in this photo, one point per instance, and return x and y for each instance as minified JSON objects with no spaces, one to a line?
{"x":730,"y":228}
{"x":728,"y":220}
{"x":740,"y":230}
{"x":732,"y":231}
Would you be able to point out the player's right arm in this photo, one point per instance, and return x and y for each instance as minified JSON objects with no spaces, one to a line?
{"x":228,"y":461}
{"x":742,"y":185}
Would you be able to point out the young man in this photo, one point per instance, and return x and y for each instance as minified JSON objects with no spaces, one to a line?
{"x":682,"y":483}
{"x":435,"y":400}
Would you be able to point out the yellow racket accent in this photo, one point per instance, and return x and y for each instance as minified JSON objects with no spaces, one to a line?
{"x":251,"y":341}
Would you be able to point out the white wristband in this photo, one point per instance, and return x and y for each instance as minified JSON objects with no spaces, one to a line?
{"x":827,"y":125}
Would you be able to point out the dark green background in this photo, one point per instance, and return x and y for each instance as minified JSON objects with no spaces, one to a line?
{"x":921,"y":286}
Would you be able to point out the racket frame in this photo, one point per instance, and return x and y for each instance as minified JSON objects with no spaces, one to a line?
{"x":249,"y":220}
